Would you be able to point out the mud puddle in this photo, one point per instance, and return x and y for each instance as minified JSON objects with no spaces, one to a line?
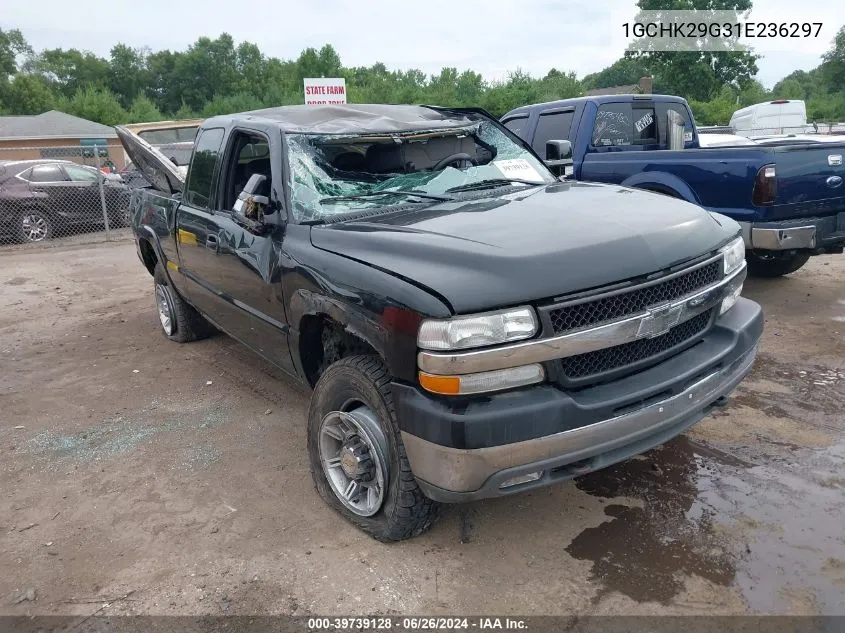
{"x":753,"y":498}
{"x":776,"y":536}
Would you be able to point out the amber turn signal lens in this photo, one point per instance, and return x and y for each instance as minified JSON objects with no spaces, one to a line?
{"x":447,"y":385}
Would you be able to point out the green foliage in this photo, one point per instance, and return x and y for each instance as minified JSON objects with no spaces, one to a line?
{"x":94,"y":104}
{"x":241,"y":102}
{"x":143,"y":110}
{"x":12,"y":44}
{"x":216,"y":76}
{"x":27,"y":94}
{"x":185,"y":112}
{"x":833,"y":68}
{"x":623,"y":72}
{"x":699,"y":74}
{"x":789,"y":89}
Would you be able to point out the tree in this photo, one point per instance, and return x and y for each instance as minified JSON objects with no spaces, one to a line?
{"x":752,"y":93}
{"x":185,"y":112}
{"x":697,"y":74}
{"x":717,"y":111}
{"x":833,"y":68}
{"x":28,"y":94}
{"x":70,"y":71}
{"x":12,"y":44}
{"x":143,"y":110}
{"x":128,"y":74}
{"x":623,"y":72}
{"x":810,"y":84}
{"x":789,"y":89}
{"x":241,"y":102}
{"x":208,"y":68}
{"x":557,"y":85}
{"x":95,"y":104}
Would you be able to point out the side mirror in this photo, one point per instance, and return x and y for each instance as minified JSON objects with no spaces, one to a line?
{"x":676,"y":128}
{"x":251,"y":208}
{"x":559,"y":157}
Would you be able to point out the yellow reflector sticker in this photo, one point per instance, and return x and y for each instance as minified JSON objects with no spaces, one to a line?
{"x":186,"y":237}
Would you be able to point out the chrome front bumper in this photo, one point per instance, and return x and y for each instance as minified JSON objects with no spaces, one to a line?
{"x":451,"y":474}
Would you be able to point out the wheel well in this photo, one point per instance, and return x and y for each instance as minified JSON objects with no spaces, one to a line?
{"x":323,"y":341}
{"x":148,"y":255}
{"x":666,"y":191}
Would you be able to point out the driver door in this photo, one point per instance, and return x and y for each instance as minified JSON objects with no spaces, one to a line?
{"x":247,"y":272}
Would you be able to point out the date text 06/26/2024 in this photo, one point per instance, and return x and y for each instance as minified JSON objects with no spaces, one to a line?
{"x":386,"y":623}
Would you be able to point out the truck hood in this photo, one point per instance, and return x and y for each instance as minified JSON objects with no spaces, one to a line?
{"x":534,"y":244}
{"x":159,"y":171}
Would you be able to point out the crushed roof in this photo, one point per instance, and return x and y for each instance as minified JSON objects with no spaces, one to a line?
{"x":358,"y":118}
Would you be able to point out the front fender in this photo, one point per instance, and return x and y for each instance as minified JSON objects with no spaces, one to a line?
{"x":379,"y":308}
{"x":356,"y":321}
{"x":662,"y":182}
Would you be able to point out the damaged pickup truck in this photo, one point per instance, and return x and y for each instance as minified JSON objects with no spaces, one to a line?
{"x":471,"y":325}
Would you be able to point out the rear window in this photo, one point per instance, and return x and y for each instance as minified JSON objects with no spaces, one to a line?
{"x":552,"y":126}
{"x":624,"y":124}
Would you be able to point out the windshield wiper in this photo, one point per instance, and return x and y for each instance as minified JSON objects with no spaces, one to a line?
{"x":386,"y":192}
{"x":491,"y":183}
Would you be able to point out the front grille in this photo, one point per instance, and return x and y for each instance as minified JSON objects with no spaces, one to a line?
{"x":636,"y":300}
{"x":605,"y":360}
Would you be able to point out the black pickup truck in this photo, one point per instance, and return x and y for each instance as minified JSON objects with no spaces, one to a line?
{"x":471,"y":325}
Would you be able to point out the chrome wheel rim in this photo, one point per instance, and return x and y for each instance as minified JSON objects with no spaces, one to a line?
{"x":34,"y":227}
{"x":164,"y":310}
{"x":353,"y":452}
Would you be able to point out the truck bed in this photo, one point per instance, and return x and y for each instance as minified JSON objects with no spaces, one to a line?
{"x":722,"y":179}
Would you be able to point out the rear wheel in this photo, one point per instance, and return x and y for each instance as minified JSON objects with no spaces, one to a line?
{"x":34,"y":226}
{"x":774,"y":264}
{"x":358,"y":461}
{"x":179,"y":321}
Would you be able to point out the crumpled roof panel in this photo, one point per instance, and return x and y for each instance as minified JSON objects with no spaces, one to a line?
{"x":359,"y":119}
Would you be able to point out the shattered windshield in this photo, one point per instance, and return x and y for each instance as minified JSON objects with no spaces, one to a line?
{"x":342,"y":174}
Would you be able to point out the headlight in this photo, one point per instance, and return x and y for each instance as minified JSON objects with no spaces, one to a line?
{"x":733,"y":255}
{"x":732,"y":293}
{"x":478,"y":330}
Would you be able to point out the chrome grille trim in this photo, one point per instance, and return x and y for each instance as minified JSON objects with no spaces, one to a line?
{"x":591,"y":339}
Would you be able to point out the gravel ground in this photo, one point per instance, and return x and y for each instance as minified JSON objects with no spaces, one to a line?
{"x":164,"y":479}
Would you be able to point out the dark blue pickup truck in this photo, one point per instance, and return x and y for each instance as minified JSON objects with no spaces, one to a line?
{"x":789,"y":199}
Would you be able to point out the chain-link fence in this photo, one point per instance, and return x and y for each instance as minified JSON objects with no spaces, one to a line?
{"x":56,"y":194}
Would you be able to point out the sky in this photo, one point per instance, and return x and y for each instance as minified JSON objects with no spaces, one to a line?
{"x":489,"y":36}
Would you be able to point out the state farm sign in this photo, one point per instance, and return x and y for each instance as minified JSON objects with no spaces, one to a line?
{"x":325,"y":90}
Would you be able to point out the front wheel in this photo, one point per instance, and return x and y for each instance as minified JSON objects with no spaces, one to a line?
{"x":357,"y":458}
{"x":770,"y":265}
{"x":34,"y":226}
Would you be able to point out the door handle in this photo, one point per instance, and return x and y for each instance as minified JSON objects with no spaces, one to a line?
{"x":212,"y":242}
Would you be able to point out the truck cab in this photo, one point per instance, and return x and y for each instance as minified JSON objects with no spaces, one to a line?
{"x":470,"y":325}
{"x":789,"y":198}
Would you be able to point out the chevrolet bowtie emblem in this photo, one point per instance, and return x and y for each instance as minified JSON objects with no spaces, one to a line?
{"x":659,"y":321}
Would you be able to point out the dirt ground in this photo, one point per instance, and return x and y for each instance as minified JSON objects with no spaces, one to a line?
{"x":141,"y":476}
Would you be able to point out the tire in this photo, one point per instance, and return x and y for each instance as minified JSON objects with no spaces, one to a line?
{"x":359,"y":387}
{"x":185,"y":324}
{"x":775,"y":264}
{"x":34,"y":225}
